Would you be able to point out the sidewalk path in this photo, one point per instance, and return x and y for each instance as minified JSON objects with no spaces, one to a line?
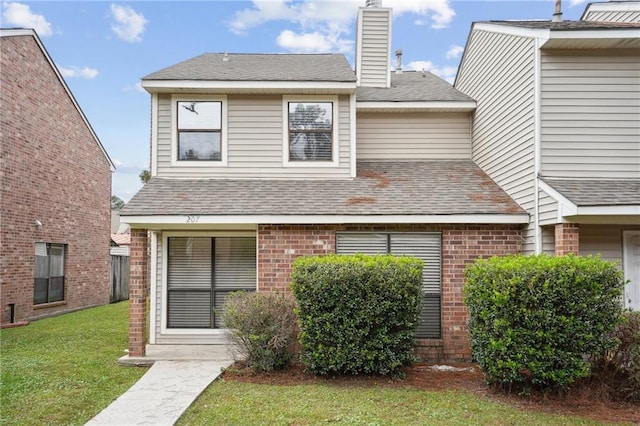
{"x":162,"y":395}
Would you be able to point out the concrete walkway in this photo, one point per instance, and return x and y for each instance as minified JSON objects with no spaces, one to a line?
{"x":163,"y":394}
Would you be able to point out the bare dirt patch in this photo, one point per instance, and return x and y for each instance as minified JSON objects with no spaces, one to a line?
{"x":585,"y":399}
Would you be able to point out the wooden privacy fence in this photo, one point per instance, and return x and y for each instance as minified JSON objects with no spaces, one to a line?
{"x":119,"y":282}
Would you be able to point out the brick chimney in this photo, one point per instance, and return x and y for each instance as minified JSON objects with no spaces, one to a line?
{"x":373,"y":45}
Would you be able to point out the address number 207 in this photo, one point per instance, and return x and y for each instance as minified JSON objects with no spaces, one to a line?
{"x":193,"y":219}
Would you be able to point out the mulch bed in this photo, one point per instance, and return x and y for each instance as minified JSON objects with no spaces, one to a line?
{"x":587,"y":399}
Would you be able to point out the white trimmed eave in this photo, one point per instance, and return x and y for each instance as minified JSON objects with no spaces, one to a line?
{"x":568,"y":211}
{"x":251,"y":87}
{"x":182,"y":221}
{"x":430,"y":106}
{"x":619,"y":38}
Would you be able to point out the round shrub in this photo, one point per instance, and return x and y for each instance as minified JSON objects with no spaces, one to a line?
{"x":358,"y":313}
{"x":622,"y":363}
{"x":534,"y":321}
{"x":263,"y":327}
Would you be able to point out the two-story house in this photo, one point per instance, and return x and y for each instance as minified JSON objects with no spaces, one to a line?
{"x":257,"y":159}
{"x":55,"y":190}
{"x":557,"y":126}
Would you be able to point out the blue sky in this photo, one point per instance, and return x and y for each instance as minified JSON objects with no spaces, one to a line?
{"x":103,"y":49}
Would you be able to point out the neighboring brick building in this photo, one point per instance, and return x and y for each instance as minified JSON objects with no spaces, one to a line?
{"x":55,"y":190}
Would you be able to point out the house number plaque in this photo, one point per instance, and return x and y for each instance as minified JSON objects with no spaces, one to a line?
{"x":193,"y":219}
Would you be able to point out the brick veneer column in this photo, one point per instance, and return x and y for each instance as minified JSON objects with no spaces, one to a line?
{"x":567,"y":236}
{"x":138,"y":292}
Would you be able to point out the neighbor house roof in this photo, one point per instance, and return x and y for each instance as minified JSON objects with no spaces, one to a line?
{"x":566,"y":25}
{"x":598,"y":192}
{"x":410,"y":188}
{"x":260,"y":67}
{"x":412,"y":86}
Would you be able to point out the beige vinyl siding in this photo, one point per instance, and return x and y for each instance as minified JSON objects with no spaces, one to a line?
{"x":613,"y":16}
{"x":602,"y":240}
{"x":548,"y":234}
{"x":498,"y":72}
{"x":590,"y":115}
{"x":548,"y":209}
{"x":255,"y":142}
{"x":373,"y":47}
{"x":409,"y":136}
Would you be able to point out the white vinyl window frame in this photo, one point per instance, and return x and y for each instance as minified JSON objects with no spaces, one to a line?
{"x":335,"y":142}
{"x":224,"y":126}
{"x":164,"y":305}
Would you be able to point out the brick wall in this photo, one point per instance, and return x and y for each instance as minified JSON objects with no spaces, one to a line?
{"x":279,"y":245}
{"x":52,"y":170}
{"x":138,"y":286}
{"x":567,"y":238}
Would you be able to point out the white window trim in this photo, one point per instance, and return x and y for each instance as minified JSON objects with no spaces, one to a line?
{"x":224,"y":131}
{"x":164,"y":330}
{"x":335,"y":134}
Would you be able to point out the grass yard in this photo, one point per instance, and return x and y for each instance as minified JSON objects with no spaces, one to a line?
{"x":236,"y":403}
{"x":62,"y":370}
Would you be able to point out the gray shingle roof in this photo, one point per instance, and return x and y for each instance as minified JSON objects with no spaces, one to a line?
{"x":259,"y":67}
{"x":597,"y":192}
{"x":412,"y":86}
{"x":567,"y":25}
{"x":381,"y":188}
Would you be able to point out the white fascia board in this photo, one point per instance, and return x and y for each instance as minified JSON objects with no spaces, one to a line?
{"x":566,"y":207}
{"x":614,"y":7}
{"x":609,"y":211}
{"x":431,"y":105}
{"x":196,"y":220}
{"x":617,"y":33}
{"x":512,"y":30}
{"x":163,"y":85}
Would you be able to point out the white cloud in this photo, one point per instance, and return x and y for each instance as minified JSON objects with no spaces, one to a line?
{"x":454,"y":51}
{"x":77,"y":72}
{"x":20,"y":15}
{"x":129,"y":24}
{"x":440,"y":11}
{"x":135,"y":88}
{"x":315,"y":42}
{"x":446,"y":73}
{"x":576,"y":2}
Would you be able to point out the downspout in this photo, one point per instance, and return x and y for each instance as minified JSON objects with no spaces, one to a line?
{"x":537,"y":144}
{"x":153,"y":166}
{"x":353,"y":134}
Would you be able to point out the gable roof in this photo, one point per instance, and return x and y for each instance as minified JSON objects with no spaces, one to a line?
{"x":598,"y":192}
{"x":411,"y":191}
{"x":26,"y":32}
{"x":260,"y":67}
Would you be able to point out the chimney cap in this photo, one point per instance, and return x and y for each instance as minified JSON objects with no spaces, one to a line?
{"x":373,"y":3}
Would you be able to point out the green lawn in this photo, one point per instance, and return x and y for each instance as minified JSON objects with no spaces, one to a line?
{"x":234,"y":403}
{"x":62,"y":370}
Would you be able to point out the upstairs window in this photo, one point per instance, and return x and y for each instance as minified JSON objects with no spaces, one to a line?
{"x":199,"y":130}
{"x":49,"y":273}
{"x":310,"y":131}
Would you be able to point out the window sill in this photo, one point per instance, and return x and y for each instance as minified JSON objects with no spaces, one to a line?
{"x":49,"y":305}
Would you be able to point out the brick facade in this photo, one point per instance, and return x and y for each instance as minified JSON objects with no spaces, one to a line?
{"x":279,"y":245}
{"x":567,"y":239}
{"x":138,"y":286}
{"x":53,"y":171}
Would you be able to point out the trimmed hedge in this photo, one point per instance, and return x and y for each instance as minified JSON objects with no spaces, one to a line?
{"x":357,"y":313}
{"x":532,"y":320}
{"x":263,"y":328}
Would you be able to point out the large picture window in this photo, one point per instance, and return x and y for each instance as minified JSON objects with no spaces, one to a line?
{"x":202,"y":271}
{"x":425,"y":246}
{"x":310,"y":131}
{"x":49,"y":273}
{"x":199,"y":130}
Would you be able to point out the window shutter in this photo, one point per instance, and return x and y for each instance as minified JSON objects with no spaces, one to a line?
{"x":235,"y":269}
{"x":365,"y":242}
{"x":426,"y":247}
{"x":189,"y":283}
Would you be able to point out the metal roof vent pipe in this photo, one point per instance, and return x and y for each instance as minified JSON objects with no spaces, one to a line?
{"x":557,"y":14}
{"x":399,"y":61}
{"x":373,"y":3}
